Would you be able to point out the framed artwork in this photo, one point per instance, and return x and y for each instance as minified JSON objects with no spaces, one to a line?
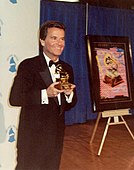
{"x":110,"y":72}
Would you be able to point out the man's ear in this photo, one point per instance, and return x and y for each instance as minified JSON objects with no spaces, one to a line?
{"x":42,"y":42}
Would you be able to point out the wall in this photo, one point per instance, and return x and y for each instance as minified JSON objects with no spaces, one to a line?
{"x":19,"y":23}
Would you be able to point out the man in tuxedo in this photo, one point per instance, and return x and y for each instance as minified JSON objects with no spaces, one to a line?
{"x":41,"y":123}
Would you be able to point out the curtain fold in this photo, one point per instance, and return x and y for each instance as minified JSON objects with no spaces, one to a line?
{"x":103,"y":21}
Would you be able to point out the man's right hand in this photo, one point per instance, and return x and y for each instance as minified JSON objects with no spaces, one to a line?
{"x":52,"y":91}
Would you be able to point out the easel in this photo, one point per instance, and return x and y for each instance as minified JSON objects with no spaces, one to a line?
{"x":116,"y":114}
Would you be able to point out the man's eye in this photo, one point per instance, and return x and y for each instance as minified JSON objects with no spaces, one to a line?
{"x":63,"y":39}
{"x":54,"y":38}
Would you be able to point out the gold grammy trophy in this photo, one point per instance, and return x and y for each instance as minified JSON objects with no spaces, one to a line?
{"x":64,"y":76}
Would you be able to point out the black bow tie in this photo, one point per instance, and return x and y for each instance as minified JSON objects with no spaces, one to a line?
{"x":51,"y":63}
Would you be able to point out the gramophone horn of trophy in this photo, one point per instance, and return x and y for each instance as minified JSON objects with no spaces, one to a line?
{"x":63,"y":80}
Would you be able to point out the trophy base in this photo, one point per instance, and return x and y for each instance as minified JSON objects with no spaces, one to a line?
{"x":62,"y":86}
{"x":113,"y":81}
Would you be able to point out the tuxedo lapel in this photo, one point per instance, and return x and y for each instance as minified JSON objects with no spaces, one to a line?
{"x":46,"y":77}
{"x":45,"y":74}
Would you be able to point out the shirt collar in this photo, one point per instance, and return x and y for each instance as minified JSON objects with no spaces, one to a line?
{"x":48,"y":59}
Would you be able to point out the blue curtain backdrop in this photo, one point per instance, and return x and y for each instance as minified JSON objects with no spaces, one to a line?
{"x":104,"y":21}
{"x":73,"y":16}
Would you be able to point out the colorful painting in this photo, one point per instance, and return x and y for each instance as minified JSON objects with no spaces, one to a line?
{"x":110,"y":72}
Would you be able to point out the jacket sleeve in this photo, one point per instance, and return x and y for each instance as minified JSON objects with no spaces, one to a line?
{"x":23,"y":91}
{"x":71,"y":80}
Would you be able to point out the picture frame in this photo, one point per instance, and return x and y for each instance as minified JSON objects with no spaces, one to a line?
{"x":110,"y":72}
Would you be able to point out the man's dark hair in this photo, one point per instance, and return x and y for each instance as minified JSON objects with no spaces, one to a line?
{"x":50,"y":24}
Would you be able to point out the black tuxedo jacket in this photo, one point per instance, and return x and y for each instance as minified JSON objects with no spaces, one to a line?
{"x":39,"y":123}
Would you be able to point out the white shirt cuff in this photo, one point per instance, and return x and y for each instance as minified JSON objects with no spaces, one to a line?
{"x":70,"y":97}
{"x":44,"y":97}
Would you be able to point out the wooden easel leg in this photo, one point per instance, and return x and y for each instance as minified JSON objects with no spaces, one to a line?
{"x":104,"y":136}
{"x":95,"y":127}
{"x":127,"y":127}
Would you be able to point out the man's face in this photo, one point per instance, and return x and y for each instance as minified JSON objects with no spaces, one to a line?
{"x":54,"y":43}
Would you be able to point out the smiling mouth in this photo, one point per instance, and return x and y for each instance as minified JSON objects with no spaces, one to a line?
{"x":58,"y":48}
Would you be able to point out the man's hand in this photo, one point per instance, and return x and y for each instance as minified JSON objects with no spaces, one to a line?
{"x":69,"y":90}
{"x":52,"y":91}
